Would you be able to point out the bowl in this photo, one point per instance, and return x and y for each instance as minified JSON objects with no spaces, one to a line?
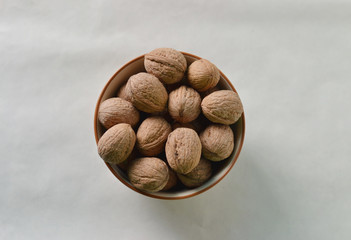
{"x":221,"y":169}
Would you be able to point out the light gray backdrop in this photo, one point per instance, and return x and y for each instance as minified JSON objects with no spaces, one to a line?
{"x":290,"y":62}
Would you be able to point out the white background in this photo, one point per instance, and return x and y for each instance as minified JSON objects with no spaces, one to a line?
{"x":290,"y":62}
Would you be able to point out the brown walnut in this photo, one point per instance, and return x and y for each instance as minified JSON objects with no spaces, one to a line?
{"x":147,"y":93}
{"x":117,"y":110}
{"x":200,"y":174}
{"x":167,"y":64}
{"x":117,"y":143}
{"x":203,"y":75}
{"x":148,"y":174}
{"x":184,"y":104}
{"x":217,"y":142}
{"x":152,"y":135}
{"x":222,"y":106}
{"x":183,"y":150}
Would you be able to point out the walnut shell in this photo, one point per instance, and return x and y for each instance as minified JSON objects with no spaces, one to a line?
{"x":222,"y":106}
{"x":203,"y":75}
{"x":200,"y":174}
{"x":183,"y":150}
{"x":117,"y":143}
{"x":117,"y":110}
{"x":167,"y":64}
{"x":148,"y":174}
{"x":184,"y":104}
{"x":122,"y":93}
{"x":217,"y":142}
{"x":152,"y":135}
{"x":172,"y":180}
{"x":147,"y":93}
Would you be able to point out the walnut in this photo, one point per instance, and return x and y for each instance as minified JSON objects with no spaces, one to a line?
{"x":217,"y":142}
{"x":203,"y":75}
{"x":184,"y":104}
{"x":200,"y":174}
{"x":122,"y":93}
{"x":172,"y":180}
{"x":148,"y":174}
{"x":222,"y":106}
{"x":183,"y":150}
{"x":152,"y":135}
{"x":147,"y":93}
{"x":117,"y":143}
{"x":167,"y":64}
{"x":117,"y":110}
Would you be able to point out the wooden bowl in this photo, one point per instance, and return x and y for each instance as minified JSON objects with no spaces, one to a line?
{"x":221,"y":168}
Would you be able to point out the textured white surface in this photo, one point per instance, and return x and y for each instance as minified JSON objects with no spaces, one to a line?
{"x":290,"y":62}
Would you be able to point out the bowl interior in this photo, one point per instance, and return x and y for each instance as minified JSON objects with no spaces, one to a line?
{"x":220,"y":168}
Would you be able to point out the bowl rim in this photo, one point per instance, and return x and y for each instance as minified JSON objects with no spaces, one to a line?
{"x":235,"y":156}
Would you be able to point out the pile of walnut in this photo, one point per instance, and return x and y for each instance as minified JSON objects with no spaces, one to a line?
{"x":169,"y":124}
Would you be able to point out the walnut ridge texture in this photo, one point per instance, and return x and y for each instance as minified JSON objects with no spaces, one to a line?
{"x":184,"y":104}
{"x":183,"y":150}
{"x":117,"y":143}
{"x":166,"y":64}
{"x":117,"y":110}
{"x":148,"y":174}
{"x":222,"y":106}
{"x":147,"y":93}
{"x":203,"y":75}
{"x":152,"y":135}
{"x":217,"y":142}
